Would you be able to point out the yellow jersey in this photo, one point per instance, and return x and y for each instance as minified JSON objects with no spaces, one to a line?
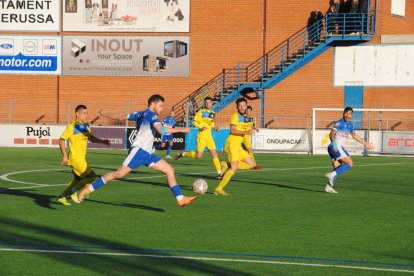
{"x":78,"y":136}
{"x":242,"y":123}
{"x":204,"y":118}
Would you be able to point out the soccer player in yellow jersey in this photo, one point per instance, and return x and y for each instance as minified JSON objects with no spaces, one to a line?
{"x":78,"y":134}
{"x":237,"y":156}
{"x":204,"y":121}
{"x":247,"y":138}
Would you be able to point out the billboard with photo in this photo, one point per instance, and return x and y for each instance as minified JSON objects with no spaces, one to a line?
{"x":37,"y":55}
{"x":29,"y":15}
{"x":126,"y":56}
{"x":126,"y":15}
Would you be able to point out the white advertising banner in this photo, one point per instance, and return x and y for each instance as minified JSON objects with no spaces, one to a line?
{"x":351,"y":145}
{"x":375,"y":65}
{"x":30,"y":135}
{"x":126,"y":56}
{"x":30,"y":15}
{"x":398,"y":142}
{"x":288,"y":140}
{"x":36,"y":55}
{"x":126,"y":15}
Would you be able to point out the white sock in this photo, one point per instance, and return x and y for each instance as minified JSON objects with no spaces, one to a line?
{"x":179,"y":197}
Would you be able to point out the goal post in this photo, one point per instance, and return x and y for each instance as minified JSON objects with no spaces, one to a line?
{"x":391,"y":131}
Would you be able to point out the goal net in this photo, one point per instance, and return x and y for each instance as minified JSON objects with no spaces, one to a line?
{"x":391,"y":131}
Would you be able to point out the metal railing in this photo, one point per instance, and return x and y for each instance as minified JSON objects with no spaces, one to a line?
{"x":276,"y":60}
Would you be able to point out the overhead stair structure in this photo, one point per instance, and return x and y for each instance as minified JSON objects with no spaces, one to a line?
{"x":280,"y":62}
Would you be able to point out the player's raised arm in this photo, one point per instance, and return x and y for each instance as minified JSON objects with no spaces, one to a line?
{"x":109,"y":115}
{"x":94,"y":139}
{"x":362,"y":141}
{"x":169,"y":130}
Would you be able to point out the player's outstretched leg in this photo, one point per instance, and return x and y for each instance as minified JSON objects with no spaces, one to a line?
{"x":330,"y":189}
{"x":169,"y":148}
{"x":219,"y":190}
{"x":166,"y":168}
{"x":180,"y":154}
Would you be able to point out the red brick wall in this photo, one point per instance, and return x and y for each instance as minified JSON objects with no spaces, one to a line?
{"x":222,"y":33}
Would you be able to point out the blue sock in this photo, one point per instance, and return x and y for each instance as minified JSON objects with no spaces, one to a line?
{"x":98,"y":183}
{"x":343,"y":168}
{"x":169,"y":148}
{"x":177,"y":192}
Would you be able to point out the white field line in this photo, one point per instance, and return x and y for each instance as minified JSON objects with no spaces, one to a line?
{"x":207,"y":259}
{"x":38,"y":185}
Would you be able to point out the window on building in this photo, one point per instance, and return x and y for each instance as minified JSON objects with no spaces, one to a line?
{"x":398,"y":7}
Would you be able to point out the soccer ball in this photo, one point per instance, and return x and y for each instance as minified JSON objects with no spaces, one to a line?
{"x":200,"y":186}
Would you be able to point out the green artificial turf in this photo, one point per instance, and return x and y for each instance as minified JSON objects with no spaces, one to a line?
{"x":276,"y":221}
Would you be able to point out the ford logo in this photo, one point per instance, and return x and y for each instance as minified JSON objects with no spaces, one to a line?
{"x":6,"y":46}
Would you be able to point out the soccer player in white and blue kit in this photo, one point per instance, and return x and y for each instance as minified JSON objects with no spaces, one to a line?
{"x":341,"y":160}
{"x":168,"y":122}
{"x":141,"y":152}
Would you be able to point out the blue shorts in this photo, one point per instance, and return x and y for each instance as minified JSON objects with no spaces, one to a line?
{"x":138,"y":157}
{"x":166,"y":138}
{"x":337,"y":155}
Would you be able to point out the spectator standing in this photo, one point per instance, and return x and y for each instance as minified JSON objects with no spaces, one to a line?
{"x":363,"y":9}
{"x":344,"y":6}
{"x":332,"y":26}
{"x":355,"y":19}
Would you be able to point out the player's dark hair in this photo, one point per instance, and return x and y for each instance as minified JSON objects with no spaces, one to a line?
{"x":79,"y":107}
{"x":155,"y":98}
{"x":348,"y":108}
{"x":250,"y":107}
{"x":208,"y":99}
{"x":239,"y":100}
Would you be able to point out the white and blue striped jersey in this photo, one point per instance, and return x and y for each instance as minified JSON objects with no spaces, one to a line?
{"x":343,"y":129}
{"x":169,"y":122}
{"x":144,"y":123}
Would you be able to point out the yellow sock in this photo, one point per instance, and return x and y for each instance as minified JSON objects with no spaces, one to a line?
{"x":243,"y":166}
{"x":190,"y":154}
{"x":85,"y":181}
{"x":226,"y":178}
{"x":70,"y":185}
{"x":252,"y":156}
{"x":224,"y":166}
{"x":217,"y":165}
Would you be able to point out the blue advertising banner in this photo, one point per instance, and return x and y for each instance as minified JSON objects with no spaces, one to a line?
{"x":30,"y":55}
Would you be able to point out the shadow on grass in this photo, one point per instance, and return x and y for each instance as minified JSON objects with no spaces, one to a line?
{"x":129,"y":205}
{"x":44,"y":201}
{"x":280,"y":186}
{"x":85,"y":252}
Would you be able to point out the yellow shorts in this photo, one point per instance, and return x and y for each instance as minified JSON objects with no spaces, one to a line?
{"x":247,"y":141}
{"x":235,"y":152}
{"x":205,"y":140}
{"x":80,"y":168}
